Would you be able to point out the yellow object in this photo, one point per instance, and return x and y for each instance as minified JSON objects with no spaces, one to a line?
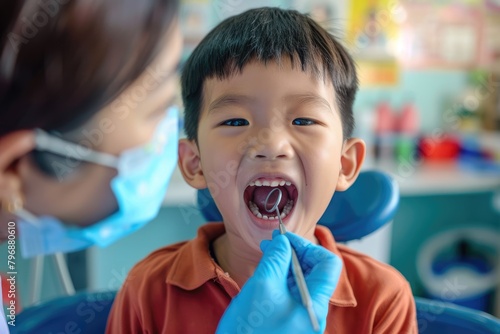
{"x":372,"y":25}
{"x":373,"y":73}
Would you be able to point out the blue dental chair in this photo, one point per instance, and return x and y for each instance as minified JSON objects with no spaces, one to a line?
{"x":437,"y":317}
{"x":84,"y":312}
{"x":369,"y":204}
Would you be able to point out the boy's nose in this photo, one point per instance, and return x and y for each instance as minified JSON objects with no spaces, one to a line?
{"x":275,"y":146}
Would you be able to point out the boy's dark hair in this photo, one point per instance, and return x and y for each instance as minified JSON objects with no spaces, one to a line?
{"x":268,"y":34}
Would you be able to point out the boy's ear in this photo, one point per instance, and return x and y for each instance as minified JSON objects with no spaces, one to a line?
{"x":13,"y":146}
{"x":190,"y":164}
{"x":353,"y":155}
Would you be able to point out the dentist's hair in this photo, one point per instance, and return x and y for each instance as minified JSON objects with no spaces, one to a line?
{"x":62,"y":61}
{"x":268,"y":34}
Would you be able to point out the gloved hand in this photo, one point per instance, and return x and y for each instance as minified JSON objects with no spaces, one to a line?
{"x":269,"y":302}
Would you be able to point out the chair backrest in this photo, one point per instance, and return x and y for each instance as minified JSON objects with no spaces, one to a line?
{"x":436,"y":317}
{"x":85,"y":312}
{"x":367,"y":205}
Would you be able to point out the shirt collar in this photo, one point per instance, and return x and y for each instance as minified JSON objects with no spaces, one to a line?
{"x":193,"y":266}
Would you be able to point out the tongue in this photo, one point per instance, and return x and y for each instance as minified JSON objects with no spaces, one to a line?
{"x":260,"y":194}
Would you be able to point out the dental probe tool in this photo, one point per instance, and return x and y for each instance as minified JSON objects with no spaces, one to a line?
{"x":296,"y":269}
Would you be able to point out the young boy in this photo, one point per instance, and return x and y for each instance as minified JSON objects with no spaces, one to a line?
{"x":268,"y":97}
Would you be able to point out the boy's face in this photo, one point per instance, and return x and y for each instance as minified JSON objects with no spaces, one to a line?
{"x":269,"y":127}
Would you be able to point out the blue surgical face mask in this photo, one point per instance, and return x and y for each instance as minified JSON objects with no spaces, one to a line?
{"x":139,"y":188}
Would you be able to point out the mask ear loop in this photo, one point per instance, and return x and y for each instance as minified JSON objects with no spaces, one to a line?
{"x":46,"y":142}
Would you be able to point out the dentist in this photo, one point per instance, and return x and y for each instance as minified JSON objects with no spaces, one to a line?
{"x":88,"y":141}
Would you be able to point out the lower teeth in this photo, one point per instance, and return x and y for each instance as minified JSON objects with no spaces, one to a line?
{"x":255,"y":210}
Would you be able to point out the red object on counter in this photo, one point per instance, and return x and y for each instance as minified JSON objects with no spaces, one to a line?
{"x":384,"y":120}
{"x":439,"y":148}
{"x":408,"y":122}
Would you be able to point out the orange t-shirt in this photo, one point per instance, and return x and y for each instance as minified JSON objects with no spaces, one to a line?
{"x":181,"y":289}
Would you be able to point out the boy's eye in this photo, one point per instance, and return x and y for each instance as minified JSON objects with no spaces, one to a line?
{"x":303,"y":121}
{"x":235,"y":122}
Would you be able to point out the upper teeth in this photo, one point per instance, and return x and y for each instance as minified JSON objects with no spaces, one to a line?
{"x":268,"y":183}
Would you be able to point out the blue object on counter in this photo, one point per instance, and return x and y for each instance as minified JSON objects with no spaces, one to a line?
{"x":473,"y":158}
{"x":478,"y":164}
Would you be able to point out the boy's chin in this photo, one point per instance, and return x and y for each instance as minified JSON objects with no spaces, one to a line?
{"x":254,"y":236}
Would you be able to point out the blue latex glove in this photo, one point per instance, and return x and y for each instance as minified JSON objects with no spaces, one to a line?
{"x":269,"y":302}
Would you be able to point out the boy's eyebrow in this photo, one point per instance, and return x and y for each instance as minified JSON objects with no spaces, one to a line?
{"x":229,"y":99}
{"x":308,"y":98}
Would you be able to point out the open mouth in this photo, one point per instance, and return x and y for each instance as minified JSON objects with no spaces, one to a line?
{"x":257,"y":191}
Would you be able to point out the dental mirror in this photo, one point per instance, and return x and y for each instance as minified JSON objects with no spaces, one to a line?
{"x":275,"y":207}
{"x":296,"y":269}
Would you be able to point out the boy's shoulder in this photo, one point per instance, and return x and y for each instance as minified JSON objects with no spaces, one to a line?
{"x":374,"y":289}
{"x":361,"y":269}
{"x":159,"y":262}
{"x":366,"y":273}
